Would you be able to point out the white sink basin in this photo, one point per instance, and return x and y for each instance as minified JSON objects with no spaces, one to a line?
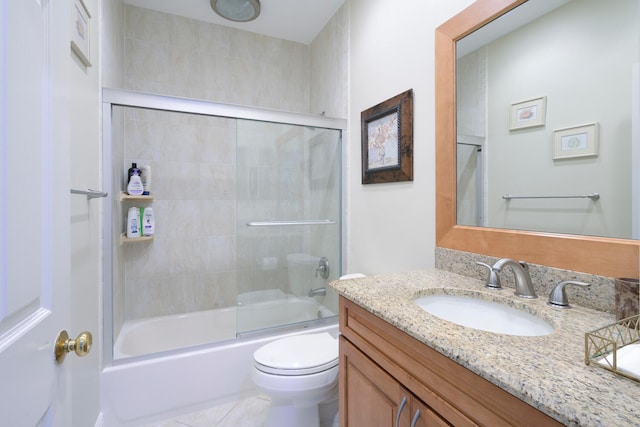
{"x":484,"y":315}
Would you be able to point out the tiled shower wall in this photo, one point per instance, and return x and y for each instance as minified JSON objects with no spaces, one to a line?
{"x":193,"y":158}
{"x":190,"y":263}
{"x":173,"y":55}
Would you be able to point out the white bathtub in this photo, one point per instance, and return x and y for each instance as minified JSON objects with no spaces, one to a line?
{"x":138,"y":391}
{"x":162,"y":333}
{"x":257,"y":310}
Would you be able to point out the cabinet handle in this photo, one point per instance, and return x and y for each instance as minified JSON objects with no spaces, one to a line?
{"x":415,"y":418}
{"x":402,"y":405}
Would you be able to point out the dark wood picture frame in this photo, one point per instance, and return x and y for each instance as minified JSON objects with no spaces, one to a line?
{"x":387,"y":140}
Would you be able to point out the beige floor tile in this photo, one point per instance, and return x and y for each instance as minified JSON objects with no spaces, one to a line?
{"x":249,"y":412}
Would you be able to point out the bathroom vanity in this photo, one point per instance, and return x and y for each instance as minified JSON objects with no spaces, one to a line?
{"x":396,"y":360}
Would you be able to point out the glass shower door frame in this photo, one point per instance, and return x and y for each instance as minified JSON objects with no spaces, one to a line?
{"x":120,"y":98}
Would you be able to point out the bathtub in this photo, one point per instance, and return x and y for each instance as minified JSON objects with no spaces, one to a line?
{"x":140,"y":337}
{"x":142,"y":389}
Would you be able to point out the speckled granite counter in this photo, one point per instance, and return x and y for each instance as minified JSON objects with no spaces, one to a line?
{"x":548,"y":372}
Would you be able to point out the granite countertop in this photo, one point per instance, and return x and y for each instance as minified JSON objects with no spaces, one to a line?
{"x":548,"y":372}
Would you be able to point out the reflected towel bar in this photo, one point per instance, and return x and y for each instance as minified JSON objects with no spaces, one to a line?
{"x":592,"y":196}
{"x":298,"y":222}
{"x":91,"y":194}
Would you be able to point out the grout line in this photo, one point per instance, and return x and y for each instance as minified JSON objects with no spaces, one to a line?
{"x":228,"y":413}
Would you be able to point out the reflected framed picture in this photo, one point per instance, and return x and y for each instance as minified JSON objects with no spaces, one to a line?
{"x":81,"y":32}
{"x":530,"y":113}
{"x":387,"y":140}
{"x":576,"y":141}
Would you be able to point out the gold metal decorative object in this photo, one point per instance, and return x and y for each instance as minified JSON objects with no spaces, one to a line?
{"x":81,"y":345}
{"x":602,"y":346}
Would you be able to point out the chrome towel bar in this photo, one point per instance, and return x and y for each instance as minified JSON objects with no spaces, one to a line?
{"x":91,"y":194}
{"x":294,"y":222}
{"x":592,"y":196}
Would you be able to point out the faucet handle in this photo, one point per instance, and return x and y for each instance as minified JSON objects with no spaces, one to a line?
{"x":493,"y":280}
{"x":323,"y":268}
{"x":558,"y":296}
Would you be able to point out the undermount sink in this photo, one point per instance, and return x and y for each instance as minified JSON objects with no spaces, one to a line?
{"x":484,"y":315}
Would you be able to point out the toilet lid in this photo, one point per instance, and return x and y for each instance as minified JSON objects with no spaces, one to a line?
{"x":298,"y":355}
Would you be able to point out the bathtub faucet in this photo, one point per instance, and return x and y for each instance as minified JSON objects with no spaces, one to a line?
{"x":323,"y":268}
{"x":317,"y":291}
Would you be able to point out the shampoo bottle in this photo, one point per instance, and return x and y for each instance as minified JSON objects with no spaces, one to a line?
{"x":146,"y":179}
{"x":133,"y":170}
{"x":148,"y":222}
{"x":135,"y":186}
{"x":134,"y":183}
{"x":133,"y":223}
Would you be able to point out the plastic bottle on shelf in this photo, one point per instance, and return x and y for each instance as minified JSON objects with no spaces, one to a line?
{"x":146,"y":179}
{"x":133,"y":170}
{"x":134,"y":185}
{"x":133,"y":223}
{"x":148,"y":222}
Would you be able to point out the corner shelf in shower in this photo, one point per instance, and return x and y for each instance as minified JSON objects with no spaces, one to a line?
{"x":124,"y":239}
{"x":124,"y":196}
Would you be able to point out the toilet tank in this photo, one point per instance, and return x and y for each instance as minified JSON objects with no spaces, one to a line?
{"x":302,"y":273}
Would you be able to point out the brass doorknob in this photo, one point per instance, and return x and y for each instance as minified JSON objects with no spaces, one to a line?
{"x":81,"y":345}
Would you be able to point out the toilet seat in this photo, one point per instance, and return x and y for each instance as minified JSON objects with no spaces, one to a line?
{"x":298,"y":355}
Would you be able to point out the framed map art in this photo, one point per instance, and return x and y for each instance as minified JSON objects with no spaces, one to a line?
{"x":387,"y":140}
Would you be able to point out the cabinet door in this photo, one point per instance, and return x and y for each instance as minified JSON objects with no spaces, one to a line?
{"x":369,"y":397}
{"x":423,"y":416}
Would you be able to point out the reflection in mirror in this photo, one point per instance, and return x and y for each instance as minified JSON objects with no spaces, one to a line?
{"x":548,"y":108}
{"x":603,"y":256}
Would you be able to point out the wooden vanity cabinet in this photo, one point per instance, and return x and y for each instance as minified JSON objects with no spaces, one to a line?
{"x":381,"y":365}
{"x":373,"y":398}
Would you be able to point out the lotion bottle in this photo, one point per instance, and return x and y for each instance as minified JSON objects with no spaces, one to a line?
{"x":133,"y":223}
{"x":148,"y":222}
{"x":134,"y":188}
{"x":146,"y":179}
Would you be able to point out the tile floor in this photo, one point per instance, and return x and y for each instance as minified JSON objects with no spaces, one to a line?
{"x":249,"y":412}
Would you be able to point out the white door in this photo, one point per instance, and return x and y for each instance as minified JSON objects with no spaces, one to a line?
{"x":34,"y":211}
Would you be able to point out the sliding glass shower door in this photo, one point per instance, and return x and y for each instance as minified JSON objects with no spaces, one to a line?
{"x":288,"y":223}
{"x":247,"y":222}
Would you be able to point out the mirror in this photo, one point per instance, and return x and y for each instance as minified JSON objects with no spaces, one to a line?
{"x":544,"y":119}
{"x":614,"y":257}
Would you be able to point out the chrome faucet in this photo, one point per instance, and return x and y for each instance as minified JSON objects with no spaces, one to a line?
{"x":317,"y":291}
{"x":558,"y":296}
{"x":323,"y":268}
{"x":493,"y":280}
{"x":524,"y":287}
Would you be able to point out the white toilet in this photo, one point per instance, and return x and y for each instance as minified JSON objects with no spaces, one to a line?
{"x":299,"y":373}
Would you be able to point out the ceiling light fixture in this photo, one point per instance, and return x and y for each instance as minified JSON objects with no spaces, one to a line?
{"x":237,"y":10}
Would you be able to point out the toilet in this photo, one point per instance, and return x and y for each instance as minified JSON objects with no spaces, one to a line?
{"x":300,"y":375}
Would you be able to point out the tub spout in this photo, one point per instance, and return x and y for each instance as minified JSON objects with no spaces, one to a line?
{"x":317,"y":291}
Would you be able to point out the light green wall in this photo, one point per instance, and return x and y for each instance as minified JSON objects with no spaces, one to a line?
{"x":392,"y":226}
{"x":580,"y":57}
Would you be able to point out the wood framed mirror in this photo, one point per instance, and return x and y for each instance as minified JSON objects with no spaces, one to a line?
{"x":603,"y":256}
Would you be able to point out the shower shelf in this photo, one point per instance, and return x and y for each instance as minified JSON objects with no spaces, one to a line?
{"x":125,"y":239}
{"x":124,"y":196}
